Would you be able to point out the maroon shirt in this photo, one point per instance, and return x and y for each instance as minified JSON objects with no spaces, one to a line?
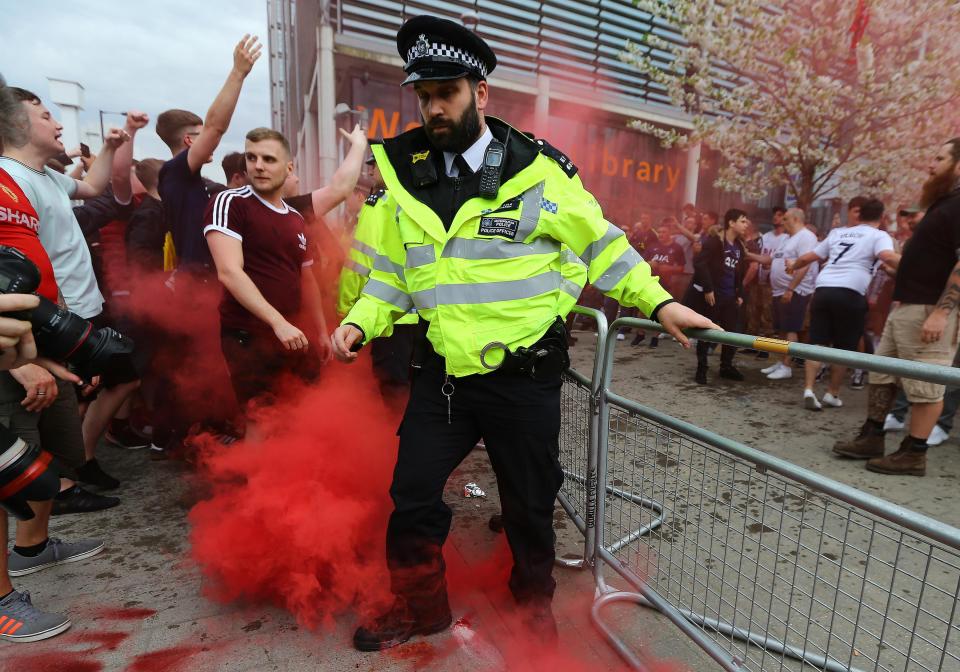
{"x":274,"y":252}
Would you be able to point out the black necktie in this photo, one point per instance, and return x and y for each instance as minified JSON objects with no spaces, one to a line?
{"x":462,"y":165}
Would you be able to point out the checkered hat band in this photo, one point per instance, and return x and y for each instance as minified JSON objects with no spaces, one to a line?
{"x":448,"y":53}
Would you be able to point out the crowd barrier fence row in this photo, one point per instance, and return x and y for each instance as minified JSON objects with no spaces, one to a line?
{"x":763,"y":564}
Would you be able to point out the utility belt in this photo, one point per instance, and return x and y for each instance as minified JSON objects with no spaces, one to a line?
{"x":545,"y":359}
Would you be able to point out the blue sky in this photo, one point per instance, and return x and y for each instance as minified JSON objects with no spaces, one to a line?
{"x":148,"y":56}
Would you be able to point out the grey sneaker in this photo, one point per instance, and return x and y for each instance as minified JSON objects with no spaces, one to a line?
{"x":20,"y":621}
{"x":57,"y":552}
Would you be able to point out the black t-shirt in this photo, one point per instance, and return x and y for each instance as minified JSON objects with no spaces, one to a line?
{"x":185,"y":195}
{"x":146,"y":230}
{"x":930,"y":254}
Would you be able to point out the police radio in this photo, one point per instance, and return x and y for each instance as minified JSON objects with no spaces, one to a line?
{"x":493,"y":160}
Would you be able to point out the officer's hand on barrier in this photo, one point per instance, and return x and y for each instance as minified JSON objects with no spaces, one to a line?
{"x":344,"y":339}
{"x":675,"y":317}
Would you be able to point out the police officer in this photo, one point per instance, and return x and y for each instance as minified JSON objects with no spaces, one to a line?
{"x":479,"y":222}
{"x":391,"y":354}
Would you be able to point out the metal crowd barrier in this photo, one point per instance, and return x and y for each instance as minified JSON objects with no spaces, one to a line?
{"x":579,"y":438}
{"x":763,"y":564}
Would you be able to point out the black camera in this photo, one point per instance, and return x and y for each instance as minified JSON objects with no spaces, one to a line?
{"x":60,"y":334}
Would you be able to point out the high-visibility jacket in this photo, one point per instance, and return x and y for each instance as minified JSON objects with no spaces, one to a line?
{"x":496,"y":276}
{"x":362,"y":256}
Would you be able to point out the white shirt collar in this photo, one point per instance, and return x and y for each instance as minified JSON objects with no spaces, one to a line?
{"x":473,"y":156}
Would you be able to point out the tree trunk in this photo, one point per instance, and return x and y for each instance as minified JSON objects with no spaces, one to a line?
{"x":805,"y":198}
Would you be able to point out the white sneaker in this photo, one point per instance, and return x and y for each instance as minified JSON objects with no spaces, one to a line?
{"x":891,"y":424}
{"x":831,"y":400}
{"x":770,"y":369}
{"x":780,"y":373}
{"x":810,"y":401}
{"x":621,"y":337}
{"x":937,"y":436}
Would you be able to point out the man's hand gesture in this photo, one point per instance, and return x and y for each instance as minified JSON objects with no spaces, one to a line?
{"x":246,"y":54}
{"x":136,"y":120}
{"x":356,"y":137}
{"x":115,"y":137}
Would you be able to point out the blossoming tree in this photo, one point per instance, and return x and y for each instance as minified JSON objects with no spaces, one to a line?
{"x":809,"y":94}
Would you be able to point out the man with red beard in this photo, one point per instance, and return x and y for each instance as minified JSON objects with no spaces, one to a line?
{"x":923,"y":327}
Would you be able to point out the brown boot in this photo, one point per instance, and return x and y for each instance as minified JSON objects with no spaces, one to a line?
{"x":905,"y":462}
{"x":868,"y":444}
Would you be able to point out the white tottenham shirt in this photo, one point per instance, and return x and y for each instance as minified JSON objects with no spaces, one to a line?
{"x":851,"y":253}
{"x":769,"y":242}
{"x":792,"y":247}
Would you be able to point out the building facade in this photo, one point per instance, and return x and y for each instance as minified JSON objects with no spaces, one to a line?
{"x":334,"y":62}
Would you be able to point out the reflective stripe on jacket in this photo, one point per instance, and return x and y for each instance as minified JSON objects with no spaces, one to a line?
{"x":505,"y":270}
{"x":362,"y":258}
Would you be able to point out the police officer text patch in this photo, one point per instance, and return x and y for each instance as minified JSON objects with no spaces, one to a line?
{"x":499,"y":226}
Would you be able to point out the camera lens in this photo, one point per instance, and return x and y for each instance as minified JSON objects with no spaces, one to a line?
{"x":60,"y":334}
{"x":63,"y":335}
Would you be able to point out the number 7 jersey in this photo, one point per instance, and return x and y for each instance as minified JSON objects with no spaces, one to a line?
{"x":851,"y":253}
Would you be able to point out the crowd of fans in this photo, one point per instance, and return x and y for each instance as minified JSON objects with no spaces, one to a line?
{"x":126,"y":245}
{"x":150,"y":247}
{"x":824,"y":286}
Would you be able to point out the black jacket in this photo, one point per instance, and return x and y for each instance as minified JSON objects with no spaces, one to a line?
{"x":708,"y":266}
{"x":146,"y":231}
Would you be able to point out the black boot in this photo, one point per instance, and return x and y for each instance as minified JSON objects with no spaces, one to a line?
{"x":701,"y":375}
{"x":403,"y":620}
{"x":730,"y":372}
{"x":539,"y":621}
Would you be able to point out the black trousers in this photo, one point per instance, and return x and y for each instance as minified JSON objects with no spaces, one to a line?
{"x":724,"y":312}
{"x":519,"y":420}
{"x":258,"y":363}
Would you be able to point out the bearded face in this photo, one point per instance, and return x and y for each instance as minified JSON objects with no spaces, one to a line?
{"x":451,"y":113}
{"x":943,"y":175}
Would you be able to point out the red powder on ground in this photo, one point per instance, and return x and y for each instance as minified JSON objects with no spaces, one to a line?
{"x":421,"y":654}
{"x":174,"y":659}
{"x":49,"y":662}
{"x":298,"y":519}
{"x":98,"y":641}
{"x":120,"y":614}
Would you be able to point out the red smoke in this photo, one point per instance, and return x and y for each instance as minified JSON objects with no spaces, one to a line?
{"x":299,"y":518}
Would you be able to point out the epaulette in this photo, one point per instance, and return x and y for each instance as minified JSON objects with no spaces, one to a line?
{"x":375,"y":196}
{"x":559,"y":157}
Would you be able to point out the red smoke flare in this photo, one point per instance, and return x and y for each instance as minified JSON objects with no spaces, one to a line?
{"x":299,"y":518}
